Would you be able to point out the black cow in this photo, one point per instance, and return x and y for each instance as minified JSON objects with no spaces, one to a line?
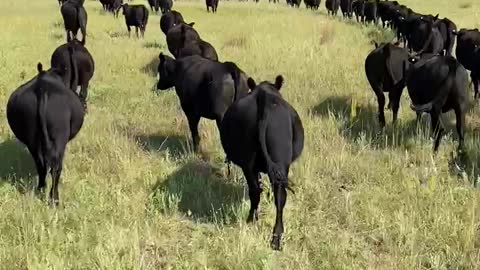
{"x":447,"y":29}
{"x":136,"y":15}
{"x":346,"y":7}
{"x":384,"y":70}
{"x":75,"y":65}
{"x":154,"y":5}
{"x":312,"y":4}
{"x":179,"y":35}
{"x":358,"y":7}
{"x":205,"y":88}
{"x":437,"y":35}
{"x":44,"y":115}
{"x":386,"y":10}
{"x":402,"y":20}
{"x":438,"y":84}
{"x":422,"y":36}
{"x":294,"y":3}
{"x":332,"y":6}
{"x":263,"y":133}
{"x":74,"y":18}
{"x":106,"y":4}
{"x":211,"y":4}
{"x":169,"y":20}
{"x":116,"y":6}
{"x":468,"y":54}
{"x":165,"y":5}
{"x":370,"y":12}
{"x":195,"y":47}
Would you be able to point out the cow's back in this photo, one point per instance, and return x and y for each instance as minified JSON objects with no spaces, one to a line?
{"x":174,"y":37}
{"x":239,"y":132}
{"x":425,"y":79}
{"x":70,"y":16}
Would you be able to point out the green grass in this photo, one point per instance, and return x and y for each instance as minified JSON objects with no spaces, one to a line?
{"x":133,"y":196}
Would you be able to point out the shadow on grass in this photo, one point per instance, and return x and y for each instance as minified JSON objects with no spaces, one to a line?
{"x":175,"y":144}
{"x":358,"y":122}
{"x":58,"y":24}
{"x":154,"y":45}
{"x":58,"y":36}
{"x":123,"y":34}
{"x":200,"y":192}
{"x":16,"y":166}
{"x":151,"y":68}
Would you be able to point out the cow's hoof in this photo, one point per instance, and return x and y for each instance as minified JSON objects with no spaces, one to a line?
{"x":275,"y":244}
{"x":53,"y":202}
{"x":252,"y":217}
{"x":40,"y":193}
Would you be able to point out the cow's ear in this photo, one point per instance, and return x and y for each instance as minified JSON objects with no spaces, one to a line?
{"x":279,"y":82}
{"x":251,"y":84}
{"x":436,"y":17}
{"x":191,"y":24}
{"x":39,"y":67}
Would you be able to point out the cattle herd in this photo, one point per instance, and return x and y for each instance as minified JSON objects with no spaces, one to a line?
{"x":259,"y":130}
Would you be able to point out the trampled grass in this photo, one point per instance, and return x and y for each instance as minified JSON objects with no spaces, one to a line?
{"x":133,"y":196}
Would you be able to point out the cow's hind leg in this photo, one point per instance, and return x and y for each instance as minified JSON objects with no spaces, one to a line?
{"x":394,"y":102}
{"x":381,"y":107}
{"x":254,"y":192}
{"x":436,"y":127}
{"x":41,"y":170}
{"x":84,"y":93}
{"x":193,"y":124}
{"x":460,"y":117}
{"x":69,"y":38}
{"x":475,"y":79}
{"x":280,"y":197}
{"x":56,"y":171}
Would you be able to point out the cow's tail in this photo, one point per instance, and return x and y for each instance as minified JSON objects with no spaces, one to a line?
{"x":274,"y":171}
{"x":42,"y":99}
{"x":73,"y":67}
{"x":388,"y":55}
{"x":236,"y":76}
{"x":427,"y":107}
{"x":145,"y":18}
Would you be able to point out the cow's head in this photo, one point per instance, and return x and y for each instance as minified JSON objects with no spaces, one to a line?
{"x":124,"y":8}
{"x":267,"y":86}
{"x":166,"y":72}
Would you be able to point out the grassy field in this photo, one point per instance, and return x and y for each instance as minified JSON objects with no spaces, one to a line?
{"x":134,"y":196}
